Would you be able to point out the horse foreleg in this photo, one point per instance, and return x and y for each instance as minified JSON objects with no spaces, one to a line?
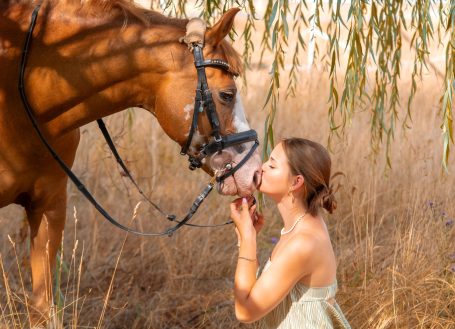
{"x":46,"y":227}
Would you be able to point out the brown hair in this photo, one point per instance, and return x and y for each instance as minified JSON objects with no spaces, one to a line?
{"x":312,"y":161}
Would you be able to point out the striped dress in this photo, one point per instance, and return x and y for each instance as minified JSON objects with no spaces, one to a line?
{"x":306,"y":308}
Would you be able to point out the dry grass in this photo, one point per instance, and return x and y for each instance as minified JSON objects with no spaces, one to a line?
{"x":391,"y":232}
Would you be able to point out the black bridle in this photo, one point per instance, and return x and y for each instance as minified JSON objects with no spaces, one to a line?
{"x":203,"y":101}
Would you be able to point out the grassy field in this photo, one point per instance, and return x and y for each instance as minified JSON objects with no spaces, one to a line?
{"x":393,"y":231}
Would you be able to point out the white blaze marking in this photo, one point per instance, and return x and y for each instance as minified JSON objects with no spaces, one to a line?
{"x":188,"y":109}
{"x":240,"y":122}
{"x":197,"y":140}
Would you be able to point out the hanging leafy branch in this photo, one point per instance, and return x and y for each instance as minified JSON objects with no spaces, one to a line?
{"x":276,"y":24}
{"x":276,"y":27}
{"x":247,"y":37}
{"x":333,"y":31}
{"x":421,"y":21}
{"x":449,"y":83}
{"x":299,"y":23}
{"x":375,"y":33}
{"x":354,"y":77}
{"x":387,"y":55}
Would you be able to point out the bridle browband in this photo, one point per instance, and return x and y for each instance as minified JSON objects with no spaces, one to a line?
{"x":203,"y":101}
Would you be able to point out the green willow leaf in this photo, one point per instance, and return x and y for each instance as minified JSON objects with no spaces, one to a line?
{"x":273,"y":15}
{"x":285,"y":23}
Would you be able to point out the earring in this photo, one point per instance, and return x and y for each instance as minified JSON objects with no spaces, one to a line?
{"x":291,"y":194}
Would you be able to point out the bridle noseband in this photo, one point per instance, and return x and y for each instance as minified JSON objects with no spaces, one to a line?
{"x":203,"y":101}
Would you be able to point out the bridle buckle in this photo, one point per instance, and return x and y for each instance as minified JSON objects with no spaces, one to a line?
{"x":218,"y":138}
{"x":194,"y":163}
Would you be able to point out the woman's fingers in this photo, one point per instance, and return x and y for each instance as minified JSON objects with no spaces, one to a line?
{"x":243,"y":216}
{"x":237,"y":202}
{"x":245,"y":209}
{"x":235,"y":214}
{"x":233,"y":206}
{"x":238,"y":208}
{"x":252,"y":210}
{"x":259,"y":222}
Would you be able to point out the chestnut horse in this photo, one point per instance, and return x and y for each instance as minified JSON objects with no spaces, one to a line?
{"x":89,"y":59}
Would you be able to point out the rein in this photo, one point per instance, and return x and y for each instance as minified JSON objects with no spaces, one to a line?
{"x":203,"y":100}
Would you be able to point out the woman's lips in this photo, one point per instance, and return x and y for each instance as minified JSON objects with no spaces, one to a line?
{"x":257,"y":179}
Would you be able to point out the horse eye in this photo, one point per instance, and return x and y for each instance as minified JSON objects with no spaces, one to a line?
{"x":226,"y":96}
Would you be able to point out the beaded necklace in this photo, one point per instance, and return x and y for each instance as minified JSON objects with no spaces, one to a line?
{"x":283,"y":231}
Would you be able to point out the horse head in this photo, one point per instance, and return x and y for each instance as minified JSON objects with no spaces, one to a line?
{"x":174,"y":108}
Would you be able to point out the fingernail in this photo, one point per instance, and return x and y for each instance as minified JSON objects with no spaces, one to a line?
{"x":244,"y":200}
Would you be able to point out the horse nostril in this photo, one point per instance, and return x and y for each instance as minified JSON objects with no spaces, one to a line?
{"x":219,"y":160}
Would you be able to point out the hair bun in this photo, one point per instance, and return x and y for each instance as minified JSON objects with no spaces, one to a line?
{"x":323,"y":197}
{"x":328,"y":200}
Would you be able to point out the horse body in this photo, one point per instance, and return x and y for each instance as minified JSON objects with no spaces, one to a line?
{"x":88,"y":61}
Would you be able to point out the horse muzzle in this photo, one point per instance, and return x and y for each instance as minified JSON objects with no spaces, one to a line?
{"x":246,"y":179}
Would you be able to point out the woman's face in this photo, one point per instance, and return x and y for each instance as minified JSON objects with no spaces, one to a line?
{"x":276,"y":174}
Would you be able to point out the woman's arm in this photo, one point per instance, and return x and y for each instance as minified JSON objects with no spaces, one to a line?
{"x":245,"y":273}
{"x":247,"y":264}
{"x":254,"y":298}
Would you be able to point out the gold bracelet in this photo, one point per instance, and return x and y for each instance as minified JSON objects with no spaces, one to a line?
{"x":248,"y":259}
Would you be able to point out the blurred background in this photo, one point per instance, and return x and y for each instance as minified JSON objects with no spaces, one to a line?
{"x":393,"y":231}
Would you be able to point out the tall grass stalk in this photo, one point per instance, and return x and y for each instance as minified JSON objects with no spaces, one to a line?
{"x":111,"y":284}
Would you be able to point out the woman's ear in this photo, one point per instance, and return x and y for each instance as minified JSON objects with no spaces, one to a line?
{"x":298,"y":182}
{"x":217,"y":33}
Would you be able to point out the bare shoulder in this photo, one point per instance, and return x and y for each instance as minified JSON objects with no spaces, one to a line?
{"x":303,"y":245}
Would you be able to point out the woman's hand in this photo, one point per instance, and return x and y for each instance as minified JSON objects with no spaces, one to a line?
{"x":258,"y":219}
{"x":247,"y":221}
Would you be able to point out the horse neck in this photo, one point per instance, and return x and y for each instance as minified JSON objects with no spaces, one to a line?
{"x":95,"y":69}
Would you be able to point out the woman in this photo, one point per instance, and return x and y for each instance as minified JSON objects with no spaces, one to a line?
{"x":297,"y":286}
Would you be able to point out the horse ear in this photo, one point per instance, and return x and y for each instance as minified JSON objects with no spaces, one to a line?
{"x":217,"y":33}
